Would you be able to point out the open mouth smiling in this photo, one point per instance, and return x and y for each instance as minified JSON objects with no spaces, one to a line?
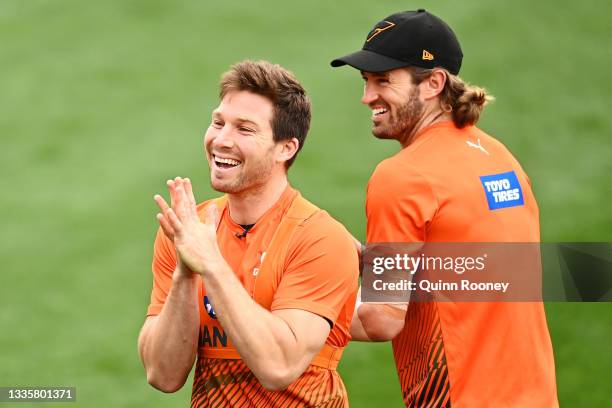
{"x":378,"y":111}
{"x":225,"y":162}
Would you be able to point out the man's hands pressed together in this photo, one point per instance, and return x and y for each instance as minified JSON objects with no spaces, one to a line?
{"x":195,"y":241}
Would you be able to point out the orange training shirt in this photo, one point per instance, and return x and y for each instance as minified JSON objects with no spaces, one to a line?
{"x":319,"y":275}
{"x":463,"y":354}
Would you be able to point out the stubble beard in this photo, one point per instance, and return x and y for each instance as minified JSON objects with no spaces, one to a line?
{"x":249,"y":179}
{"x":402,"y":124}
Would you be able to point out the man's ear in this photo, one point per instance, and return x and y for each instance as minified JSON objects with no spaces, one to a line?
{"x":433,"y":85}
{"x":288,"y":149}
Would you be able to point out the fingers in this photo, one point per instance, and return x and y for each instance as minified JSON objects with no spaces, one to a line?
{"x":190,"y":199}
{"x":172,"y":191}
{"x":175,"y":194}
{"x":212,"y":216}
{"x":189,"y":191}
{"x":165,"y":226}
{"x":161,"y":203}
{"x":163,"y":217}
{"x":178,"y":197}
{"x":174,"y":222}
{"x":182,"y":207}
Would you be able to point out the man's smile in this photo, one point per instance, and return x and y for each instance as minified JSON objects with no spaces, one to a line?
{"x":379,"y":113}
{"x":225,"y":163}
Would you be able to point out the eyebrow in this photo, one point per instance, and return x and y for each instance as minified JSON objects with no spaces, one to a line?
{"x":245,"y":120}
{"x":241,"y":120}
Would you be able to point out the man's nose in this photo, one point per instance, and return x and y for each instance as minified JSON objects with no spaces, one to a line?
{"x":369,"y":94}
{"x":224,"y":138}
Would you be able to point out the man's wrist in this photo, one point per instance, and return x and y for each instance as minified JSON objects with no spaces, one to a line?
{"x":183,"y":274}
{"x":217,"y":265}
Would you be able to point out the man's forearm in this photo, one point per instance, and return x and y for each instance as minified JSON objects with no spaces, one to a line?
{"x":168,"y":344}
{"x":265,"y":342}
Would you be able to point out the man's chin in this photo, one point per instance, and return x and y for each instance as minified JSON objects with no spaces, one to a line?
{"x":382,"y":133}
{"x":222,"y":187}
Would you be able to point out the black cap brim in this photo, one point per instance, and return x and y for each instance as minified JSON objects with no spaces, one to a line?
{"x":369,"y":61}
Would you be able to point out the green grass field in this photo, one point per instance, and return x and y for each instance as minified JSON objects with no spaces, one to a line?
{"x":101,"y":102}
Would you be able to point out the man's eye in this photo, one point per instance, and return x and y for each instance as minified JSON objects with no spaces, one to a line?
{"x":245,"y":129}
{"x":217,"y":124}
{"x":383,"y":81}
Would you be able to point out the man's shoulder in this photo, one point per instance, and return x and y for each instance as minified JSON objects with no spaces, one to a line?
{"x":321,"y":238}
{"x":320,"y":225}
{"x":390,"y":167}
{"x":397,"y":173}
{"x":201,"y":207}
{"x":221,"y":200}
{"x":322,"y":222}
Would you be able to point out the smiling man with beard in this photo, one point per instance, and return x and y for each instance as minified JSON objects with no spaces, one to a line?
{"x":259,"y":285}
{"x":438,"y":189}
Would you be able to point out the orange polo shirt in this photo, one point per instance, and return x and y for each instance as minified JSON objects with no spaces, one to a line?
{"x":461,"y":185}
{"x":319,"y":275}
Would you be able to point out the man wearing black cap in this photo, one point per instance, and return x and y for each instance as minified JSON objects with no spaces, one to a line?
{"x":438,"y":189}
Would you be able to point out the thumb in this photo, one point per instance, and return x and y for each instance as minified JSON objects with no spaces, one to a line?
{"x":212,"y":216}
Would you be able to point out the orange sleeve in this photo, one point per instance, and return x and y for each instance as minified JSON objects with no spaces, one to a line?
{"x":164,"y":263}
{"x":400,"y":203}
{"x":321,"y":269}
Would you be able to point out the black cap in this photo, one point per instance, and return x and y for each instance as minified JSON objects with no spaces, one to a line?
{"x":408,"y":38}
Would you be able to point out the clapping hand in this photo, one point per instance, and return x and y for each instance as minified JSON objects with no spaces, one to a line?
{"x":194,"y":240}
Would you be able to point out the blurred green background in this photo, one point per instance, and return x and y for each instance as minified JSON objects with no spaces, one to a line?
{"x":101,"y":102}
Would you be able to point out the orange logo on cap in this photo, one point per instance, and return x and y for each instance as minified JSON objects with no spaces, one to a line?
{"x":379,"y":30}
{"x":427,"y":56}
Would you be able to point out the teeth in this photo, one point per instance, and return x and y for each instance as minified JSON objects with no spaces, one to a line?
{"x":231,"y":162}
{"x":379,"y":111}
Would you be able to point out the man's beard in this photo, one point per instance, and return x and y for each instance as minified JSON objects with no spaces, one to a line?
{"x":401,"y":125}
{"x":252,"y":178}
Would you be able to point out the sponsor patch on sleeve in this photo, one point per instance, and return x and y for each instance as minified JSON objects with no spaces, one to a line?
{"x":503,"y":190}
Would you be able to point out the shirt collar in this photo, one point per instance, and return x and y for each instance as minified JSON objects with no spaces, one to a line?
{"x":273,"y":213}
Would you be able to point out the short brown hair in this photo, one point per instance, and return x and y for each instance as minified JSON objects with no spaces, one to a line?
{"x":291,"y":112}
{"x":465,"y":102}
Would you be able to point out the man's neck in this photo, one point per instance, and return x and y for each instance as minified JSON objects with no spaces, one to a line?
{"x":248,"y":207}
{"x":427,"y":120}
